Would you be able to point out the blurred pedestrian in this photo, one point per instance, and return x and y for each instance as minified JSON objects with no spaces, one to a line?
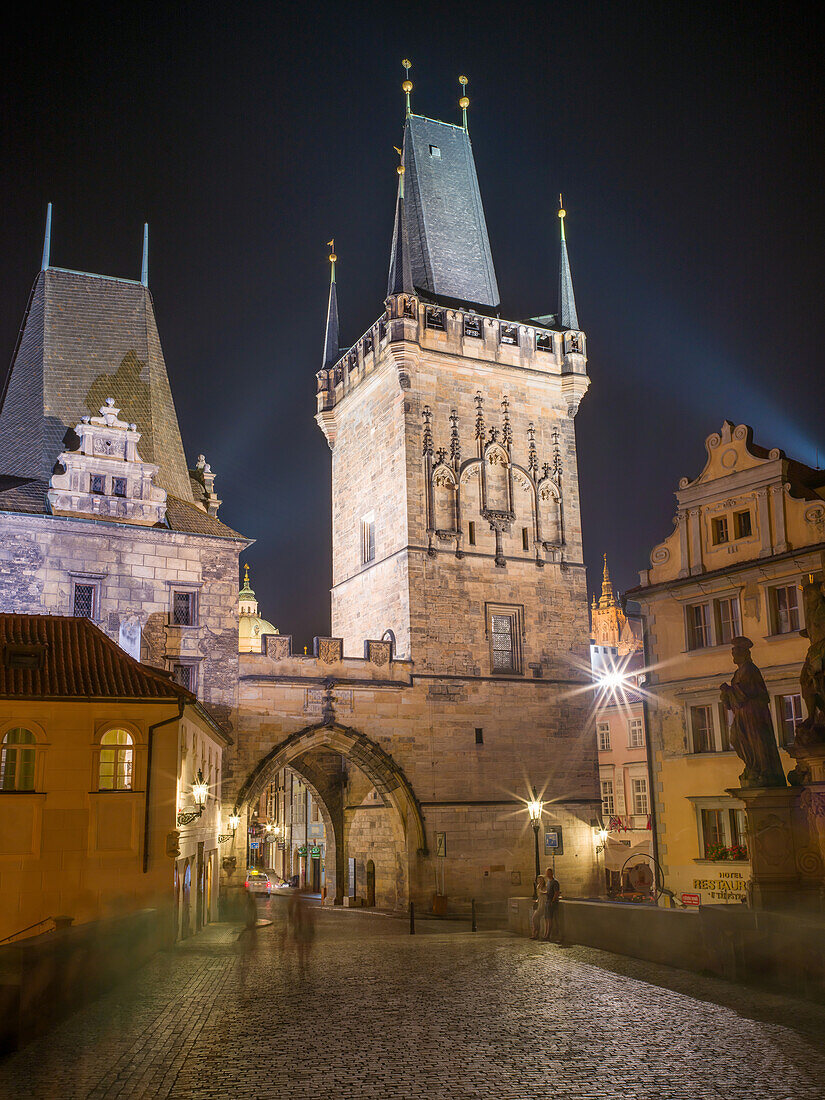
{"x":538,"y":907}
{"x":552,"y":892}
{"x":302,"y":927}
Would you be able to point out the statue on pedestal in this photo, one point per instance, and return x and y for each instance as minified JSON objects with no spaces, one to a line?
{"x":751,"y":726}
{"x":812,"y":677}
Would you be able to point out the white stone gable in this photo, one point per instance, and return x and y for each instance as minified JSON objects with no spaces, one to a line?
{"x":105,"y":476}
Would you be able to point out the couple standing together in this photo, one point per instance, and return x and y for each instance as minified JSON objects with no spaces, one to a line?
{"x":546,"y":912}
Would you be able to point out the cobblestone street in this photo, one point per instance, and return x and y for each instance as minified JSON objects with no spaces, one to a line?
{"x":445,"y":1013}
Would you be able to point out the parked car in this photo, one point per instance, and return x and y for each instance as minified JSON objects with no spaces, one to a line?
{"x":258,"y":883}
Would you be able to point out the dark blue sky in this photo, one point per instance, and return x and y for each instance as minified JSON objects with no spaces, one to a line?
{"x":687,"y":143}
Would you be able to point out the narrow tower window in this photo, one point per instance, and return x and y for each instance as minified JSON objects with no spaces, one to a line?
{"x":472,"y":533}
{"x":368,"y":538}
{"x":525,"y":539}
{"x":479,"y":735}
{"x":84,"y":600}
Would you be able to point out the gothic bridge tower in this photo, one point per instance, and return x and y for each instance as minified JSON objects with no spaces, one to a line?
{"x":456,"y":521}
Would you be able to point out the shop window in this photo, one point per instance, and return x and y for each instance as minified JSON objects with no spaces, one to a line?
{"x":698,"y":626}
{"x":116,"y":760}
{"x":17,"y":757}
{"x":785,"y":609}
{"x":603,"y":732}
{"x":608,"y":803}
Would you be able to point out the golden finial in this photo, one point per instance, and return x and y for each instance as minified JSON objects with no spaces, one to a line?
{"x":464,"y":102}
{"x":246,"y":573}
{"x":407,"y":87}
{"x":331,"y":246}
{"x":562,"y":215}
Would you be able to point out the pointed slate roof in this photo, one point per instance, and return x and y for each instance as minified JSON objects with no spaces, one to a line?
{"x":400,"y":279}
{"x":568,"y":318}
{"x":332,"y":337}
{"x":449,"y":250}
{"x":85,"y":338}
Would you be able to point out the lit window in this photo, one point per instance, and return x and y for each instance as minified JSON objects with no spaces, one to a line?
{"x":603,"y":731}
{"x":119,"y":486}
{"x":368,"y":539}
{"x":741,"y":524}
{"x":720,"y":530}
{"x":639,"y":795}
{"x":116,"y":756}
{"x":184,"y":608}
{"x":84,"y":600}
{"x":17,"y":761}
{"x":504,"y":641}
{"x":727,"y":620}
{"x":789,"y":712}
{"x":607,"y":798}
{"x":786,"y":609}
{"x":635,"y":734}
{"x":97,"y":484}
{"x":701,"y":726}
{"x":698,"y":627}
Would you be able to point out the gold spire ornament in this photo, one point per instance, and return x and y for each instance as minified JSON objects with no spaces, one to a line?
{"x":400,"y":171}
{"x":562,"y":215}
{"x":332,"y":256}
{"x":464,"y":102}
{"x":407,"y":87}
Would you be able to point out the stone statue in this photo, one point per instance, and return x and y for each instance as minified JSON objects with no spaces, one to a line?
{"x":812,"y":677}
{"x":751,"y":727}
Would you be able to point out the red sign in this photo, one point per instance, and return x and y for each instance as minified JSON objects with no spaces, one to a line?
{"x":690,"y":899}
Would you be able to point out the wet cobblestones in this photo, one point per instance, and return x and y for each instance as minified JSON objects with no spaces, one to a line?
{"x":443,"y":1014}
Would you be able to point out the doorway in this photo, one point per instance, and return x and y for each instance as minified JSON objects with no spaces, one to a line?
{"x":370,"y":883}
{"x":315,"y":875}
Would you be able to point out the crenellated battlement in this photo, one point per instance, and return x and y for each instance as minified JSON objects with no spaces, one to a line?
{"x":456,"y":332}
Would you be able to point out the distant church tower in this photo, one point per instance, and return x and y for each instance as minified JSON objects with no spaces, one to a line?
{"x":456,"y":524}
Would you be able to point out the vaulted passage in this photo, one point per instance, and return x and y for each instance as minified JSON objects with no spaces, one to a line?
{"x":374,"y":828}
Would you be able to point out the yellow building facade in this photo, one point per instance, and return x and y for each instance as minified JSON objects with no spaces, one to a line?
{"x":749,"y":530}
{"x":98,"y":756}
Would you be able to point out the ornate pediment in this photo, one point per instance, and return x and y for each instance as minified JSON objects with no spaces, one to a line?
{"x":106,"y":477}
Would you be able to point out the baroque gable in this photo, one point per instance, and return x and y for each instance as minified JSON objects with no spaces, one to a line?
{"x":105,"y":476}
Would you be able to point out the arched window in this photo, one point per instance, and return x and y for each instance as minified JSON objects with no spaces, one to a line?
{"x":17,"y":760}
{"x":116,"y":756}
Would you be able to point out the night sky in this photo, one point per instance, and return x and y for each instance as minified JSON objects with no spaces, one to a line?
{"x":687,"y":141}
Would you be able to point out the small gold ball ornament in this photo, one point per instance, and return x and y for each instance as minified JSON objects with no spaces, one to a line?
{"x":406,"y":86}
{"x":332,"y":258}
{"x":462,"y":80}
{"x":562,"y":212}
{"x":464,"y":102}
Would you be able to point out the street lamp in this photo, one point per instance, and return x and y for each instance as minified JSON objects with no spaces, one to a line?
{"x":200,"y":792}
{"x":534,"y":809}
{"x":234,"y":822}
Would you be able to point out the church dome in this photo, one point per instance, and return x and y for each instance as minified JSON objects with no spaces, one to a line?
{"x":251,"y":626}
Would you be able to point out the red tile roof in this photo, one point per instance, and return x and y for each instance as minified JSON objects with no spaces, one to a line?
{"x":71,"y":658}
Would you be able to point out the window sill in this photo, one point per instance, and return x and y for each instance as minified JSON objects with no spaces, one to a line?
{"x":22,"y":794}
{"x":782,"y":634}
{"x":723,"y":862}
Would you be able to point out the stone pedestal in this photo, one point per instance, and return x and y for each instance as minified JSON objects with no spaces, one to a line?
{"x":772,"y":845}
{"x":810,"y":768}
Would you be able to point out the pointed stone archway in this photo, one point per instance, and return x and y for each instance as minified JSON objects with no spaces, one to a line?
{"x":308,"y":752}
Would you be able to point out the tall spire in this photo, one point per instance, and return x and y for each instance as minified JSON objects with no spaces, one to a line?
{"x":400,"y":278}
{"x":607,"y":598}
{"x":568,"y":318}
{"x":144,"y":267}
{"x":331,"y":339}
{"x":47,"y":240}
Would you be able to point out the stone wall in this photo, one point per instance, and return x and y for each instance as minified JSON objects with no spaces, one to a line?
{"x":137,"y":570}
